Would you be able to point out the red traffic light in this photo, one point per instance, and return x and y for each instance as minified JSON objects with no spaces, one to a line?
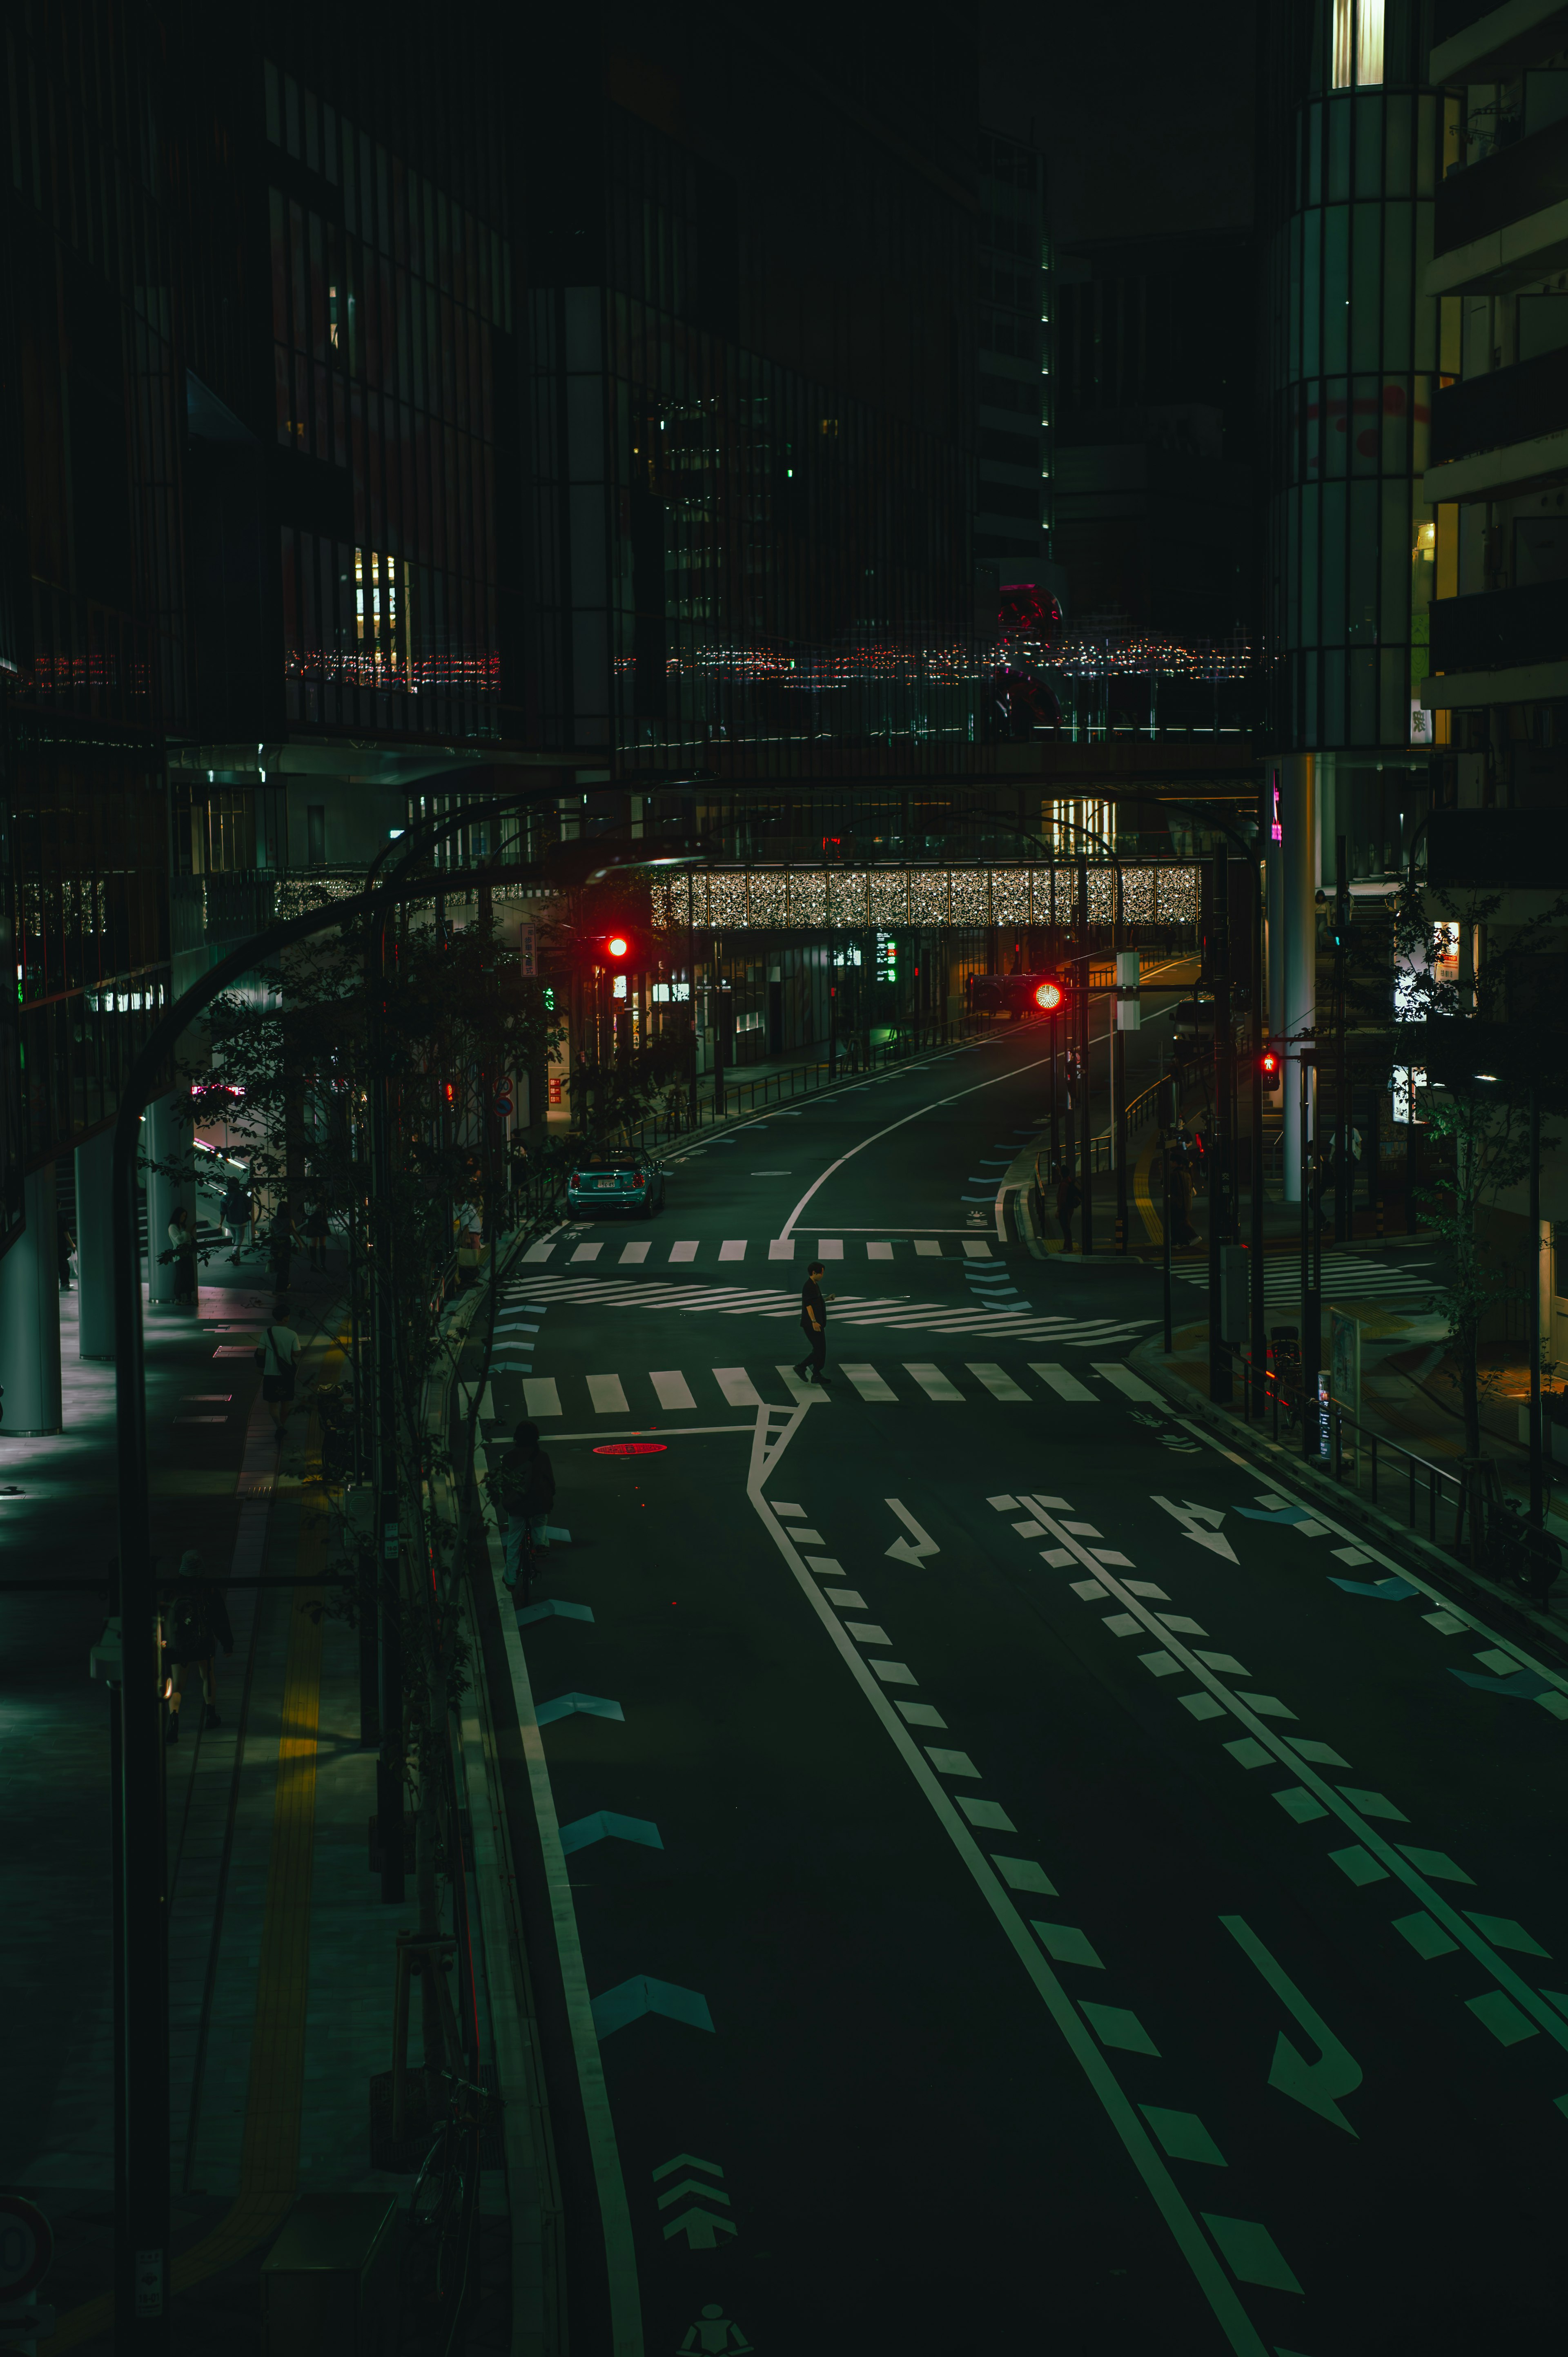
{"x":1268,"y":1064}
{"x":617,"y":946}
{"x":1048,"y":996}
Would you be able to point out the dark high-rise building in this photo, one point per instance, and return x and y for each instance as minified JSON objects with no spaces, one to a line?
{"x":1154,"y":390}
{"x":1350,"y":335}
{"x":1014,"y":315}
{"x":1496,"y":485}
{"x":750,"y":336}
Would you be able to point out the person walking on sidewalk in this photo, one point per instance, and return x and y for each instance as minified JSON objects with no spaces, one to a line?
{"x":182,"y":1251}
{"x":316,"y":1232}
{"x":1068,"y":1198}
{"x":276,"y":1359}
{"x":523,"y":1485}
{"x":65,"y":1244}
{"x":195,"y":1619}
{"x":235,"y":1214}
{"x":814,"y":1321}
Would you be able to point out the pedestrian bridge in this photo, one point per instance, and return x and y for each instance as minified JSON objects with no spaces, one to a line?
{"x":763,"y":897}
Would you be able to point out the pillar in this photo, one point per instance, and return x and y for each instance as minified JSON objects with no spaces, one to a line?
{"x":1298,"y":808}
{"x":95,"y":1247}
{"x":29,"y":1316}
{"x":166,"y":1138}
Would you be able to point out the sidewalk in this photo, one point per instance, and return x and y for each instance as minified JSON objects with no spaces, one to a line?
{"x":1401,"y":1352}
{"x":280,"y":1950}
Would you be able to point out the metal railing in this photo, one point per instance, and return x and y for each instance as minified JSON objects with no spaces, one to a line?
{"x":1351,"y":1455}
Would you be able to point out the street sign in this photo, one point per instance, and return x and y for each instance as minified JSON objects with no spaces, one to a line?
{"x":26,"y":2245}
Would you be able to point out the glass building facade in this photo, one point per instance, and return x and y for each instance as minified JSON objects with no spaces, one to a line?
{"x":1351,"y":342}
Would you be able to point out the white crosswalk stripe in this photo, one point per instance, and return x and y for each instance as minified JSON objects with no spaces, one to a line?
{"x":976,"y":1383}
{"x":1346,"y":1275}
{"x":897,"y":1313}
{"x":684,"y":1249}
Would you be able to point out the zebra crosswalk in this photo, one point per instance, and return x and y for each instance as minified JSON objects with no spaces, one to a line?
{"x":978,"y":1317}
{"x":684,"y":1251}
{"x":909,"y":1382}
{"x":1346,"y":1276}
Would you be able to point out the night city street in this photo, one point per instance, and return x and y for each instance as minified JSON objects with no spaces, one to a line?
{"x":783,"y":1150}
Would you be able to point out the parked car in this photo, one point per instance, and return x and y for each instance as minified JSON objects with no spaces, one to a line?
{"x":613,"y":1179}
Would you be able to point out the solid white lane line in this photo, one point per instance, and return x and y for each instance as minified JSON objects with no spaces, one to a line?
{"x":1060,"y":1380}
{"x":605,"y":1396}
{"x":1013,"y":1073}
{"x":670,"y":1388}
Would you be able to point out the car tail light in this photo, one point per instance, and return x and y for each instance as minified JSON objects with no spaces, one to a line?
{"x":637,"y":1178}
{"x":575,"y":1180}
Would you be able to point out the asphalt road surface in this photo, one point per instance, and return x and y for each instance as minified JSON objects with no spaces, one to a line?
{"x":1036,"y":1886}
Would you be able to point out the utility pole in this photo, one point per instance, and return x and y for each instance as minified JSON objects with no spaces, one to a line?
{"x":1167,"y":1123}
{"x":1085,"y":1138}
{"x":1344,"y":1196}
{"x":1219,"y":1183}
{"x":1311,"y":1269}
{"x":1537,"y":1471}
{"x":389,"y":1759}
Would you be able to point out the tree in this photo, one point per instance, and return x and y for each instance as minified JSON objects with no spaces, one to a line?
{"x":1468,"y":1008}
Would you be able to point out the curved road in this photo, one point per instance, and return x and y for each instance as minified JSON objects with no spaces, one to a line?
{"x":1038,"y":1886}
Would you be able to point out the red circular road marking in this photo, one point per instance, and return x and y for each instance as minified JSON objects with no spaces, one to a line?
{"x":631,"y":1449}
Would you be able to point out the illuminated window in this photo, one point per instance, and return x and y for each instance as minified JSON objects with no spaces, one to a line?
{"x":1358,"y":43}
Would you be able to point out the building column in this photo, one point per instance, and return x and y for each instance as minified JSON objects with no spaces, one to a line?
{"x":29,"y":1316}
{"x":167,"y":1139}
{"x":1298,"y":818}
{"x":95,"y":1246}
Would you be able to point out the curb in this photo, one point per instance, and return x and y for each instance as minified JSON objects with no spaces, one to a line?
{"x":1522,"y":1625}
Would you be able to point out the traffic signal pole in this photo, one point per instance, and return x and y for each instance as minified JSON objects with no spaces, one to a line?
{"x":1220,"y":1176}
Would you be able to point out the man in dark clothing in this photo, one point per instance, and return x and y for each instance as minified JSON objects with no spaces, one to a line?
{"x":194,"y":1617}
{"x":814,"y":1320}
{"x":524,"y":1488}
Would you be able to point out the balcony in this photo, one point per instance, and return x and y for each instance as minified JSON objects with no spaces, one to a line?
{"x":1501,"y":630}
{"x":1501,"y":194}
{"x":1510,"y":404}
{"x":1476,"y":42}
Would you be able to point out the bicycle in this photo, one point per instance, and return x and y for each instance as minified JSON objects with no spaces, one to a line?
{"x":442,"y":2206}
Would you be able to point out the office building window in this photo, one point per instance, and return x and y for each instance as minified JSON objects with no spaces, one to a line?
{"x":1358,"y":43}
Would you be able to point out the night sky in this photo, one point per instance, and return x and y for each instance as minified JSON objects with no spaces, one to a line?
{"x":1144,"y":113}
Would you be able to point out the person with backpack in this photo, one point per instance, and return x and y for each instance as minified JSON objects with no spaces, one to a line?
{"x":195,"y":1618}
{"x":523,"y":1486}
{"x":276,"y":1357}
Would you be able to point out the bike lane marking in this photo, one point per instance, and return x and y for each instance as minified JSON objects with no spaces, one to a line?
{"x":1381,"y":1858}
{"x":621,"y":2255}
{"x":1182,"y":2221}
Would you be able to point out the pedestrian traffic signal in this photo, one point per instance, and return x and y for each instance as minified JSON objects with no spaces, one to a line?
{"x":1269,"y":1065}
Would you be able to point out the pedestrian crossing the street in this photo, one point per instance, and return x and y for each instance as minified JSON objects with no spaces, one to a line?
{"x":899,"y":1313}
{"x":901,"y":1384}
{"x":685,"y":1251}
{"x":1346,"y":1276}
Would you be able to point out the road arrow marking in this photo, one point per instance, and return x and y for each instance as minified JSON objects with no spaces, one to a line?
{"x":699,"y":2227}
{"x":631,"y":1999}
{"x":565,"y":1706}
{"x":606,"y":1826}
{"x":686,"y":2160}
{"x":1316,"y":2084}
{"x":912,"y":1550}
{"x":1200,"y":1523}
{"x":693,"y":2185}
